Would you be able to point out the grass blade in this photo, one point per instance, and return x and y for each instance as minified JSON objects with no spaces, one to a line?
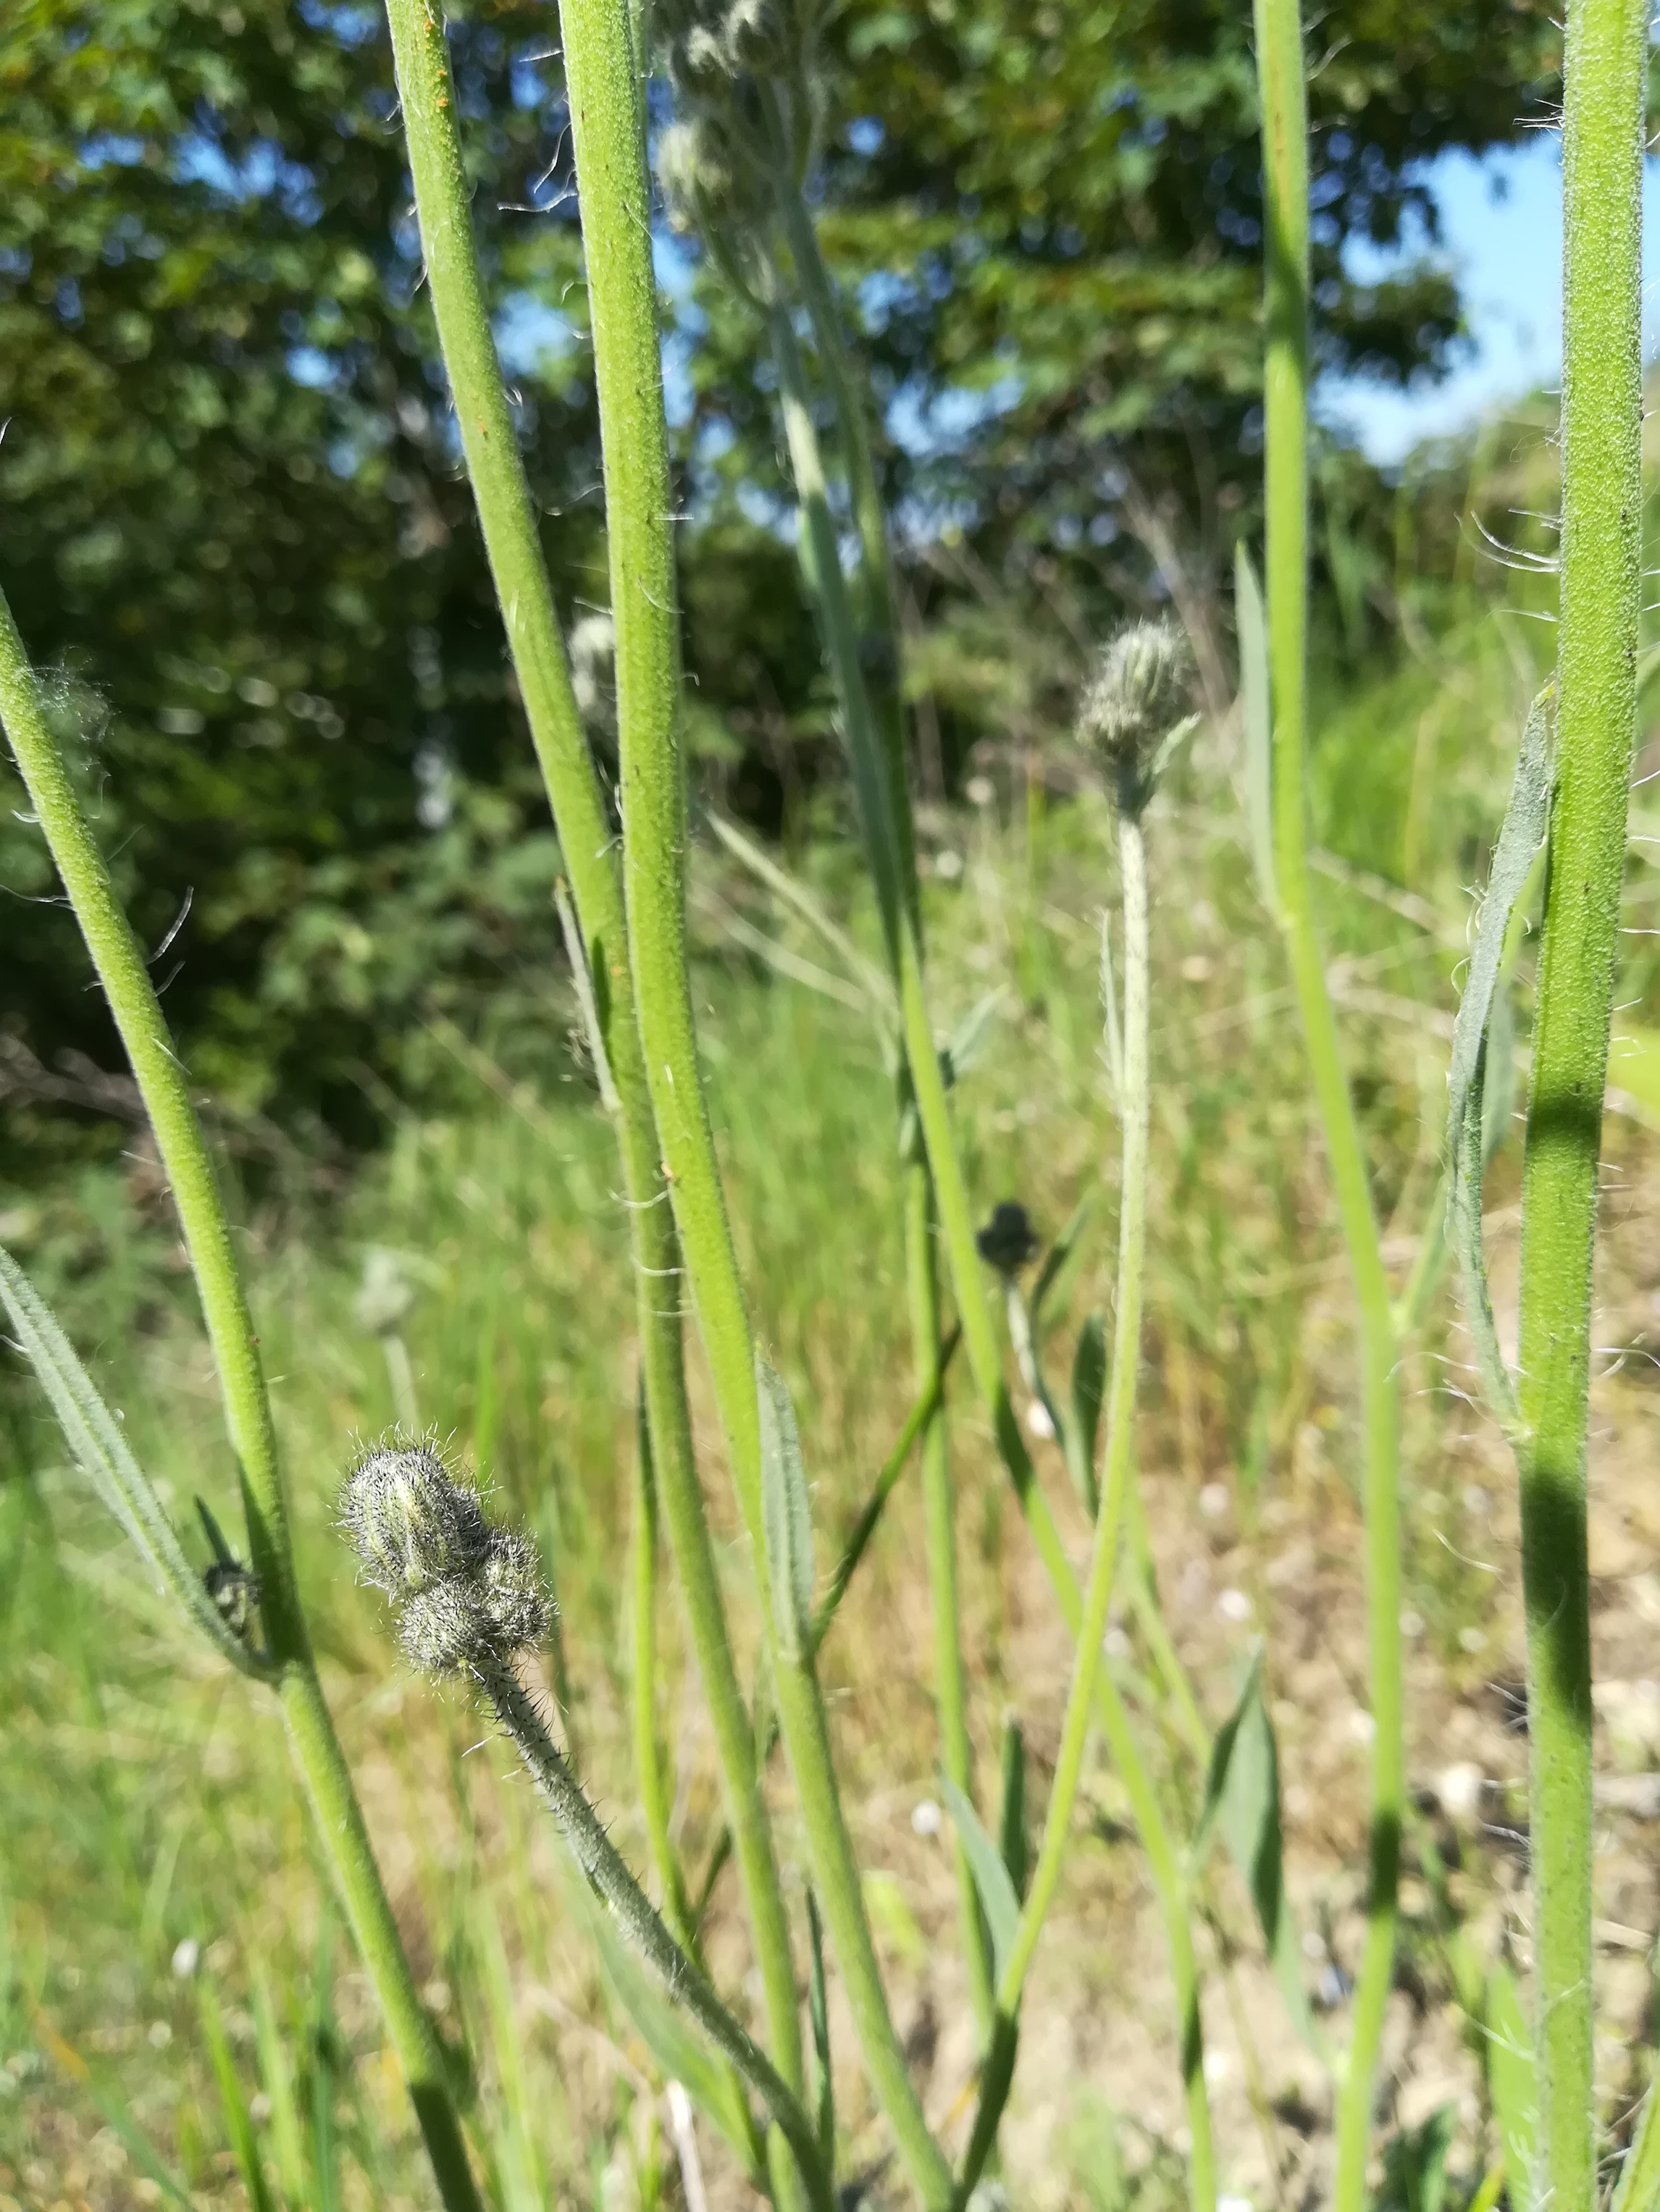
{"x":239,"y":2125}
{"x":1256,"y":717}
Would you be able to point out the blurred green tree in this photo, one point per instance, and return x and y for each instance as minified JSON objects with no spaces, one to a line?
{"x":234,"y":524}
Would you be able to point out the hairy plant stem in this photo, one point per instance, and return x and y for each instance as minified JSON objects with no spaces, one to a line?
{"x":605,"y":1868}
{"x":1285,"y":166}
{"x":647,"y":1750}
{"x":891,"y":854}
{"x":508,"y":520}
{"x":946,"y":1181}
{"x":622,"y":293}
{"x":1602,"y":138}
{"x":207,"y":1233}
{"x":1092,"y":1692}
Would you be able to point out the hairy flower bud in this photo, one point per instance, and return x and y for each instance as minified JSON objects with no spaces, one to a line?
{"x":1138,"y":694}
{"x":409,"y":1522}
{"x":464,"y":1590}
{"x":1008,"y":1241}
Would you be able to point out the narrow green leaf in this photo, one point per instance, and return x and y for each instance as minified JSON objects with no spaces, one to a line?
{"x":1480,"y":1034}
{"x":1055,"y":1259}
{"x":991,"y":1876}
{"x":1242,"y":1797}
{"x":1639,"y":2187}
{"x":1415,"y":2164}
{"x":787,"y":1518}
{"x":101,"y":1451}
{"x":1251,"y":621}
{"x":276,"y":2079}
{"x":1513,"y":2078}
{"x":818,"y":2014}
{"x":1011,"y":1838}
{"x":1089,"y":1384}
{"x":968,"y":1039}
{"x":239,"y":2125}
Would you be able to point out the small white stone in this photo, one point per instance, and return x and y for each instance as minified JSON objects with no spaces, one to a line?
{"x":1233,"y":2204}
{"x":1234,"y":1605}
{"x":1037,"y":1419}
{"x":186,"y":1958}
{"x":980,"y":791}
{"x":948,"y":865}
{"x":1362,"y":1727}
{"x":1459,"y":1789}
{"x":1115,"y":1643}
{"x":1412,"y":1625}
{"x":259,"y":2108}
{"x":1473,"y":1639}
{"x":160,"y":2035}
{"x":1476,"y":1500}
{"x":1214,"y":1500}
{"x":1218,"y":2067}
{"x":1314,"y":1943}
{"x":925,"y":1818}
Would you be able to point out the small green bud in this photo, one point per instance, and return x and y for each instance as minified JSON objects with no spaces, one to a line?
{"x":464,"y":1590}
{"x":1137,"y":696}
{"x":1008,"y":1241}
{"x":408,"y":1521}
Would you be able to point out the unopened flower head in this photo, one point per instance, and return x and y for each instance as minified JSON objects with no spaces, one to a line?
{"x":464,"y":1590}
{"x":1137,"y":696}
{"x":1008,"y":1241}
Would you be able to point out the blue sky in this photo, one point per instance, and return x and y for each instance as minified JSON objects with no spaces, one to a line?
{"x":1501,"y":222}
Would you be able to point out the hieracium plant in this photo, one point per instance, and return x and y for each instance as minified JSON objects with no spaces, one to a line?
{"x":471,"y":1598}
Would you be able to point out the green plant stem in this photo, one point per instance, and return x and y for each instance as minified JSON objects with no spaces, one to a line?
{"x":161,"y":1078}
{"x":508,"y":520}
{"x":940,"y":1506}
{"x":647,"y":1752}
{"x":880,"y":666}
{"x":835,"y":1876}
{"x":1285,"y":162}
{"x":622,"y":295}
{"x":879,"y":773}
{"x":1120,"y":1424}
{"x":604,"y":1867}
{"x":1603,"y":138}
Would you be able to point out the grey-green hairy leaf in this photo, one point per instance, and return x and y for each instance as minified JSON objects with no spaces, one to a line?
{"x":1242,"y":1797}
{"x":786,"y":1517}
{"x":991,"y":1877}
{"x":1250,"y":620}
{"x":1480,"y":1038}
{"x":101,"y":1451}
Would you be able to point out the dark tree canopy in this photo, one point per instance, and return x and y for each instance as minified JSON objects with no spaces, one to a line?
{"x":234,"y":528}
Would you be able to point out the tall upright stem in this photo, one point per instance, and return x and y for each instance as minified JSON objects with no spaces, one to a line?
{"x":207,"y":1233}
{"x":1603,"y":141}
{"x":623,"y":310}
{"x":884,"y":807}
{"x":508,"y":520}
{"x":1284,"y":168}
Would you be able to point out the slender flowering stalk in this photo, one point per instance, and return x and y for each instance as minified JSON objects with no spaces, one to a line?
{"x":467,"y":1595}
{"x":508,"y":520}
{"x":1129,"y":716}
{"x":1603,"y":138}
{"x":132,"y":1001}
{"x":1284,"y":168}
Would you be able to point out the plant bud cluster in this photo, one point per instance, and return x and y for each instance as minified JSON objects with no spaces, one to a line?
{"x":1137,"y":696}
{"x":743,"y":79}
{"x":462,"y":1588}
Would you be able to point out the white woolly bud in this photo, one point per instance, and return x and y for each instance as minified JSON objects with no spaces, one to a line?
{"x":1138,"y":694}
{"x":462,"y":1589}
